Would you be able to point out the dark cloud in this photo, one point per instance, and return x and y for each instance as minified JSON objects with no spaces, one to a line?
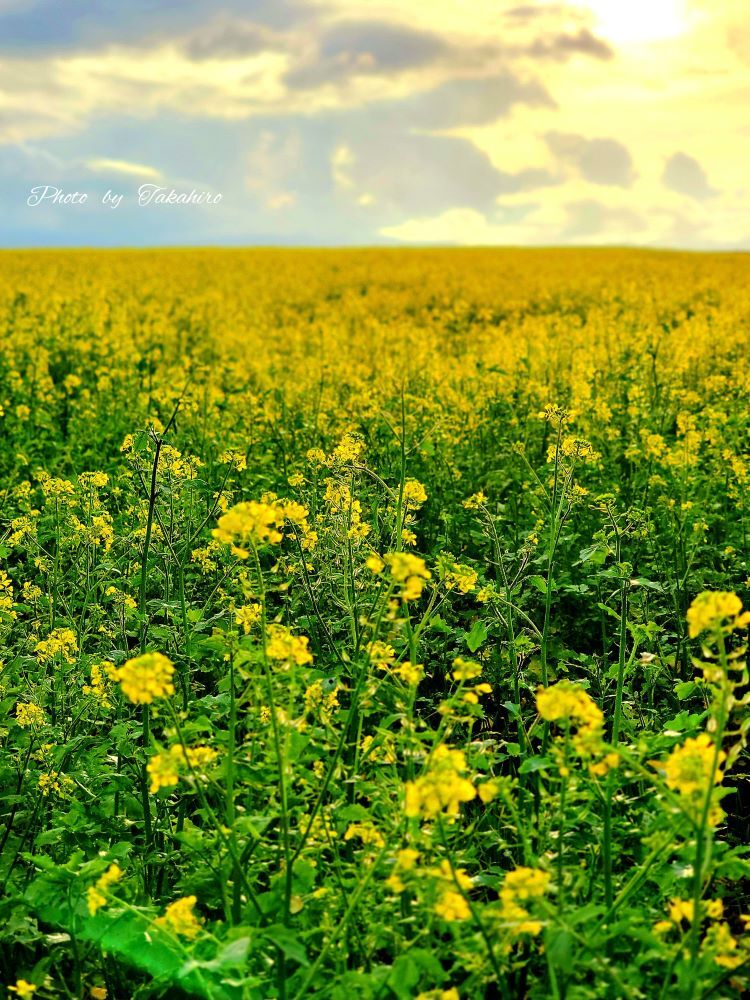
{"x":430,"y":175}
{"x":363,"y":48}
{"x":229,"y":38}
{"x":527,"y":11}
{"x":683,"y":174}
{"x":591,"y":218}
{"x":471,"y":101}
{"x":563,"y":46}
{"x":601,"y":161}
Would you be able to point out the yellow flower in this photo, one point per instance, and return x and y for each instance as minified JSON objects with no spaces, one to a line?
{"x":60,"y":640}
{"x":282,"y":645}
{"x":566,"y":703}
{"x":97,"y":893}
{"x":247,"y":616}
{"x":374,"y":563}
{"x":461,"y":578}
{"x":349,"y":449}
{"x":710,"y":610}
{"x":180,"y":919}
{"x":23,"y":988}
{"x":451,"y":994}
{"x":465,"y":670}
{"x":725,"y":947}
{"x":442,"y":788}
{"x":249,"y":523}
{"x":525,"y":884}
{"x":410,"y":673}
{"x":145,"y":677}
{"x":381,"y":654}
{"x":474,"y":501}
{"x":452,"y":906}
{"x":521,"y":887}
{"x":165,"y":768}
{"x":234,"y":458}
{"x":410,"y":572}
{"x":28,"y":714}
{"x":163,"y":771}
{"x":55,"y":783}
{"x":489,"y":790}
{"x":407,"y":858}
{"x":366,"y":832}
{"x":414,"y":494}
{"x":98,"y":687}
{"x":688,"y":768}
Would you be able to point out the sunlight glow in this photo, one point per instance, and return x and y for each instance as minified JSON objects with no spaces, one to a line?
{"x":639,"y":21}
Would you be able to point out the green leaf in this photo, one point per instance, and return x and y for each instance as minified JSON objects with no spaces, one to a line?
{"x":476,"y":637}
{"x":288,"y":942}
{"x":532,"y":764}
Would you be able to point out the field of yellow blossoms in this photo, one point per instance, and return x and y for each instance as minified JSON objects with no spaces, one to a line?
{"x":372,"y":625}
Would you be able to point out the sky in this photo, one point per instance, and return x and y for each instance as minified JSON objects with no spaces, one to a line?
{"x":320,"y":122}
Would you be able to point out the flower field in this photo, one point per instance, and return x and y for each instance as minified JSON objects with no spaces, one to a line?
{"x":372,"y":624}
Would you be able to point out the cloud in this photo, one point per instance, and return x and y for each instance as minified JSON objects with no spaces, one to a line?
{"x":472,"y":101}
{"x":524,"y":12}
{"x":105,"y":166}
{"x":232,"y":38}
{"x":684,"y":175}
{"x":367,"y":47}
{"x":378,"y":47}
{"x":600,"y":161}
{"x":589,"y":218}
{"x":563,"y":46}
{"x":459,"y":226}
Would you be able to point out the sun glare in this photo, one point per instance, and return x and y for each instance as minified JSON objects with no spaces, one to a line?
{"x":639,"y":21}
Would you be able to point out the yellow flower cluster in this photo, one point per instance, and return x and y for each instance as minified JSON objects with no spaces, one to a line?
{"x":719,"y":944}
{"x":414,"y":494}
{"x":461,"y":578}
{"x":443,"y":787}
{"x":97,"y":893}
{"x":465,"y":670}
{"x":54,"y":783}
{"x":320,"y":702}
{"x":568,"y":705}
{"x":475,"y":501}
{"x":6,"y":595}
{"x":164,"y":769}
{"x":97,"y":687}
{"x":338,"y":497}
{"x":249,"y":523}
{"x":692,"y":770}
{"x":247,"y":616}
{"x":522,"y":886}
{"x":453,"y":886}
{"x":409,"y":572}
{"x":180,"y":919}
{"x":62,"y":642}
{"x":28,"y":714}
{"x":451,"y":994}
{"x":349,"y":449}
{"x":366,"y":832}
{"x":145,"y":678}
{"x":23,"y":989}
{"x":716,"y":610}
{"x":285,"y":647}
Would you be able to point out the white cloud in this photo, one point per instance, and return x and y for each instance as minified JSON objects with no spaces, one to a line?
{"x":105,"y":166}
